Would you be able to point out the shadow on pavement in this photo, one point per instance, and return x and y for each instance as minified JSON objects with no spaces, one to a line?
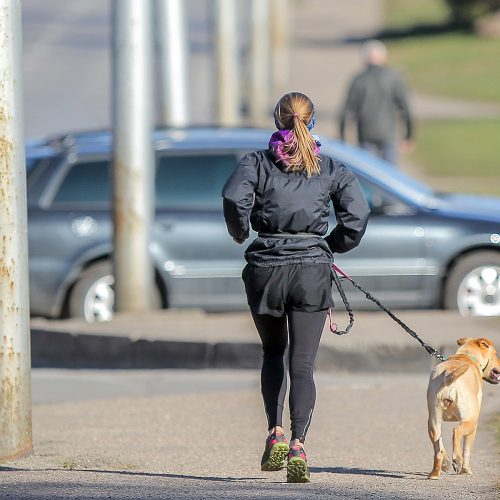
{"x":132,"y":473}
{"x":366,"y":472}
{"x":386,"y":34}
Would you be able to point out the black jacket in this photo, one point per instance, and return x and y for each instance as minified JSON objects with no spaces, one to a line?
{"x":375,"y":98}
{"x":289,"y":202}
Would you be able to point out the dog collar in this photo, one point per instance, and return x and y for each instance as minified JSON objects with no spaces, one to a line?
{"x":475,"y":360}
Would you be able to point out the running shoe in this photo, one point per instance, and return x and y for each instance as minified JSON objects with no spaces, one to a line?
{"x":275,"y":453}
{"x":297,"y":470}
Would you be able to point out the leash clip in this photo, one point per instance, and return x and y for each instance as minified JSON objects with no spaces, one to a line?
{"x":333,"y":325}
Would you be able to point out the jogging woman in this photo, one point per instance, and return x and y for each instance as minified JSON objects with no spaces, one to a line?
{"x":286,"y":190}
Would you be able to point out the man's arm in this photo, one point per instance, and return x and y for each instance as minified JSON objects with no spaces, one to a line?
{"x":401,"y":102}
{"x":350,"y":107}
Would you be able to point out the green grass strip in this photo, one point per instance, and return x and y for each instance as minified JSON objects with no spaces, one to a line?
{"x":459,"y":155}
{"x":452,"y":64}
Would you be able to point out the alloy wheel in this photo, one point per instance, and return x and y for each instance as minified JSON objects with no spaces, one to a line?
{"x":479,"y":292}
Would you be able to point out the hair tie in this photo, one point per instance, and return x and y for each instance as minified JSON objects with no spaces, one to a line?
{"x":295,"y":114}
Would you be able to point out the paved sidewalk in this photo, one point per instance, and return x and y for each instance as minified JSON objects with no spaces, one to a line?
{"x":368,"y":440}
{"x":323,"y":60}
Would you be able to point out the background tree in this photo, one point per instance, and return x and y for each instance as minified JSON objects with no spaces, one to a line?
{"x":467,"y":11}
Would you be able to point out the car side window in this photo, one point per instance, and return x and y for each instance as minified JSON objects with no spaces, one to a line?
{"x":85,"y":183}
{"x":192,"y":180}
{"x":382,"y":202}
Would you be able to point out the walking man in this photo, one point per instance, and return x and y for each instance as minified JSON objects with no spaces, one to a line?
{"x":375,"y":98}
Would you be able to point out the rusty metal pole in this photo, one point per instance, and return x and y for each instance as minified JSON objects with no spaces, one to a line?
{"x":227,"y":63}
{"x":133,"y":154}
{"x":173,"y":66}
{"x":259,"y":63}
{"x":280,"y":43}
{"x":15,"y":357}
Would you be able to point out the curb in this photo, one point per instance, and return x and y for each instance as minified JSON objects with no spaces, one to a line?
{"x":58,"y":349}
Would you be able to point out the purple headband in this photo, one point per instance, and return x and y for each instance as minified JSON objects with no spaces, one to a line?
{"x":282,"y":141}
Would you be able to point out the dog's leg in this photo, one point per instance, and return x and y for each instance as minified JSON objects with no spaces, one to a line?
{"x":465,"y":428}
{"x":441,"y":460}
{"x":468,"y":443}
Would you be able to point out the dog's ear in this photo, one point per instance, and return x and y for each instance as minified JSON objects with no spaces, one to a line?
{"x":463,"y":340}
{"x":484,"y":343}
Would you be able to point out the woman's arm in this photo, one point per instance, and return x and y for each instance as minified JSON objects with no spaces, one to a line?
{"x":238,"y":197}
{"x":351,"y":210}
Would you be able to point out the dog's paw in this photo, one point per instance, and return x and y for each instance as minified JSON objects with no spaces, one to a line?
{"x":457,"y":465}
{"x":466,"y":470}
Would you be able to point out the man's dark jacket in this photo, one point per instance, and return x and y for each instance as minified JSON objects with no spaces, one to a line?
{"x":375,"y":98}
{"x":288,"y":202}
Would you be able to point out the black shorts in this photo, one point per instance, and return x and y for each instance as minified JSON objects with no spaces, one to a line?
{"x":292,"y":287}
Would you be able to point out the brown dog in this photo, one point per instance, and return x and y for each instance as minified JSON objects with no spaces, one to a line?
{"x":454,"y":394}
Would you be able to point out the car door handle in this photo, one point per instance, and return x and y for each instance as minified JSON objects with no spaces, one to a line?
{"x":166,"y":225}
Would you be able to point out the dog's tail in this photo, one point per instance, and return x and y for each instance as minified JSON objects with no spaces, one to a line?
{"x":450,"y":377}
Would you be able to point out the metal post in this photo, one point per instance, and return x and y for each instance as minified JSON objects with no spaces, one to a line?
{"x":259,"y":62}
{"x":280,"y":41}
{"x":133,"y":154}
{"x":15,"y":356}
{"x":227,"y":56}
{"x":171,"y":35}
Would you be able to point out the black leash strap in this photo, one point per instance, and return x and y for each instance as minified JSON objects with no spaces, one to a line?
{"x":333,"y":326}
{"x":369,"y":296}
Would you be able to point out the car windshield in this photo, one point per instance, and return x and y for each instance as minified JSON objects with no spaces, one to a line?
{"x":380,"y":172}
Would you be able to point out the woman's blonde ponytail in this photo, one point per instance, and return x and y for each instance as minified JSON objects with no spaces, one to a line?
{"x":294,"y":112}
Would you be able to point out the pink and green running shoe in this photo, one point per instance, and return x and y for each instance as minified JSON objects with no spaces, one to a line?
{"x":297,"y":470}
{"x":275,"y":453}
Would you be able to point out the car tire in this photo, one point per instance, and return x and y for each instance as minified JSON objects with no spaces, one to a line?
{"x":93,"y":297}
{"x":473,"y":285}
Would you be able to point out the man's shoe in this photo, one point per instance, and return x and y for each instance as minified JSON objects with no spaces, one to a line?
{"x":275,"y":453}
{"x":297,"y":470}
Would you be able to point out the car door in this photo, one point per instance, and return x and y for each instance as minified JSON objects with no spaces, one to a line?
{"x":69,"y":224}
{"x":389,"y":261}
{"x":201,"y":263}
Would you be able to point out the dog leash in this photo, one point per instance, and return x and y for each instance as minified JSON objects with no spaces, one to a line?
{"x":369,"y":296}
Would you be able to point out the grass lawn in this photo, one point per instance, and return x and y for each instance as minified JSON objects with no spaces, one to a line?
{"x":460,"y":155}
{"x":452,"y":64}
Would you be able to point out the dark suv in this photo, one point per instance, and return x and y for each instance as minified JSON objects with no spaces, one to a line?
{"x":420,"y":250}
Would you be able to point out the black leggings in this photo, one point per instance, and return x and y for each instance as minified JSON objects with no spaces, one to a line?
{"x":305,"y":330}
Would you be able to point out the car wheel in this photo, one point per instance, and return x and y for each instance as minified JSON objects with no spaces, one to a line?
{"x":473,"y":286}
{"x":93,"y":296}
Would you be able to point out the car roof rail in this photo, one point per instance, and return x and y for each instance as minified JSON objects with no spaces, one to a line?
{"x":71,"y":140}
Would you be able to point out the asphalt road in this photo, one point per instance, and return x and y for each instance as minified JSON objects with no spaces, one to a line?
{"x":67,"y":64}
{"x":368,"y":439}
{"x":67,"y":59}
{"x":57,"y":386}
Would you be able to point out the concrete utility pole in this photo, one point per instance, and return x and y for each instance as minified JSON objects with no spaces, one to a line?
{"x":133,"y":154}
{"x":280,"y":41}
{"x":227,"y":63}
{"x":259,"y":63}
{"x":171,"y":35}
{"x":15,"y":356}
